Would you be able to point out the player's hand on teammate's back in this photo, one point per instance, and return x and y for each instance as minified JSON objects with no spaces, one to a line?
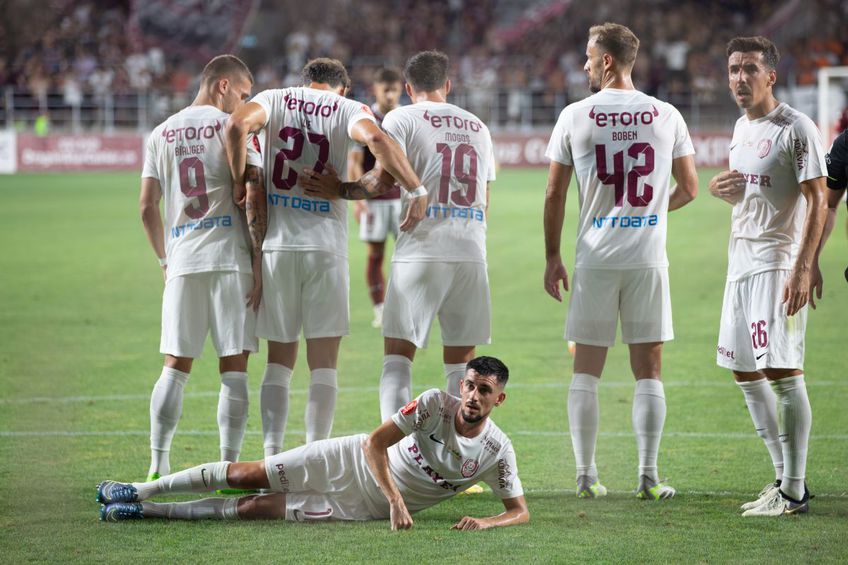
{"x":399,"y":516}
{"x":554,"y":273}
{"x":325,"y":184}
{"x":415,"y":212}
{"x":728,"y":185}
{"x":796,"y":292}
{"x":468,"y":523}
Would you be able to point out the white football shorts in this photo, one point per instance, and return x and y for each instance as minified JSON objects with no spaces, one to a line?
{"x":198,"y":304}
{"x":755,"y":331}
{"x":303,"y":289}
{"x":327,"y":480}
{"x":381,"y":219}
{"x":640,"y":297}
{"x":458,"y":293}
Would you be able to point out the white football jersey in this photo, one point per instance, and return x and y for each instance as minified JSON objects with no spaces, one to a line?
{"x":304,"y":128}
{"x":204,"y":230}
{"x":451,"y":151}
{"x":775,"y":153}
{"x":621,"y":144}
{"x":433,"y":462}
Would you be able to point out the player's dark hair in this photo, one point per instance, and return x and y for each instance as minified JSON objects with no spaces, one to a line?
{"x":485,"y":366}
{"x":758,"y":43}
{"x":618,"y":41}
{"x":427,"y":71}
{"x":224,"y":66}
{"x":326,"y":71}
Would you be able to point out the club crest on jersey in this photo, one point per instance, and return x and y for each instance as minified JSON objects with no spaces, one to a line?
{"x":469,"y":467}
{"x":409,"y":408}
{"x":604,"y":119}
{"x":763,"y":148}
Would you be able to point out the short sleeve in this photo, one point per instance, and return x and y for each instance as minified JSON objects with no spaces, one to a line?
{"x":837,"y":163}
{"x":356,"y":112}
{"x":682,"y":140}
{"x":492,"y":163}
{"x":149,"y":170}
{"x":265,"y":99}
{"x":393,"y":125}
{"x":807,"y":150}
{"x":254,"y":151}
{"x":420,"y":414}
{"x":559,"y":146}
{"x":503,"y":476}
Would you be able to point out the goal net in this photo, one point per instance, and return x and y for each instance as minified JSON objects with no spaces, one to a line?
{"x":833,"y":84}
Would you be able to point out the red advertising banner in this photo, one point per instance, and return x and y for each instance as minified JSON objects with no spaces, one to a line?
{"x":80,"y":152}
{"x":528,"y":149}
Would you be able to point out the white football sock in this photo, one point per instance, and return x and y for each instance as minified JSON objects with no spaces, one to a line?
{"x":232,"y":414}
{"x":796,"y":418}
{"x":454,"y":373}
{"x":583,"y":413}
{"x":395,"y":385}
{"x":762,"y":405}
{"x":648,"y":422}
{"x":321,"y":405}
{"x":166,"y":407}
{"x":203,"y":509}
{"x":274,"y":406}
{"x":203,"y":478}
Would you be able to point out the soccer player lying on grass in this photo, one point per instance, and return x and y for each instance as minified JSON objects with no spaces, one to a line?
{"x":430,"y":450}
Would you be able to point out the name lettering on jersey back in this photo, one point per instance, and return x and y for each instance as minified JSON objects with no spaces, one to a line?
{"x":429,"y":471}
{"x":299,"y":203}
{"x":625,"y":221}
{"x":614,"y":119}
{"x":450,"y":121}
{"x":202,"y":224}
{"x":189,"y":133}
{"x":760,"y":180}
{"x":310,"y":108}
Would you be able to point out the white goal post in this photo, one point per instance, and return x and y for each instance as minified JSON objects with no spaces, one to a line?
{"x":827,"y":105}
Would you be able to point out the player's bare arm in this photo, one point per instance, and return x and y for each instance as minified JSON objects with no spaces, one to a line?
{"x":391,"y":157}
{"x":327,"y":184}
{"x":684,"y":173}
{"x":834,"y":199}
{"x":376,"y":449}
{"x":256,"y":210}
{"x":151,"y":218}
{"x":806,"y":276}
{"x":247,"y":118}
{"x":515,"y":512}
{"x":355,"y":169}
{"x":559,"y":176}
{"x":728,"y":186}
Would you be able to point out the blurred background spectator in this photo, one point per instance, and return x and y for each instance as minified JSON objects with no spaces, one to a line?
{"x":95,"y":64}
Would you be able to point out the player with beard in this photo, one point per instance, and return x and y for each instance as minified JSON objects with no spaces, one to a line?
{"x":623,"y":146}
{"x":381,"y":215}
{"x":776,"y":184}
{"x":430,"y":450}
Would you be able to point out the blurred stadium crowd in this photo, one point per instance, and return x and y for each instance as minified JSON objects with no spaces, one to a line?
{"x":516,"y":62}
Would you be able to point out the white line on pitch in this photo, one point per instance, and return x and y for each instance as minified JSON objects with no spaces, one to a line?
{"x":532,"y":433}
{"x":373,"y":389}
{"x":713,"y":493}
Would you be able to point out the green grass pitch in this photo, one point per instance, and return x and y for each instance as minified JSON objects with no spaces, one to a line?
{"x":79,"y":334}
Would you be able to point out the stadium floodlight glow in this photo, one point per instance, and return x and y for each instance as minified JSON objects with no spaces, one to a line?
{"x":826,"y":74}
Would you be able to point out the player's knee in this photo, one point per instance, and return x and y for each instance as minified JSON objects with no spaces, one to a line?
{"x":247,"y":475}
{"x":263,"y":507}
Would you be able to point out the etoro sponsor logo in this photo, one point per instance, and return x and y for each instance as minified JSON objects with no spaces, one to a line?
{"x":455,"y":122}
{"x":604,"y":119}
{"x":189,"y":133}
{"x":309,"y":108}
